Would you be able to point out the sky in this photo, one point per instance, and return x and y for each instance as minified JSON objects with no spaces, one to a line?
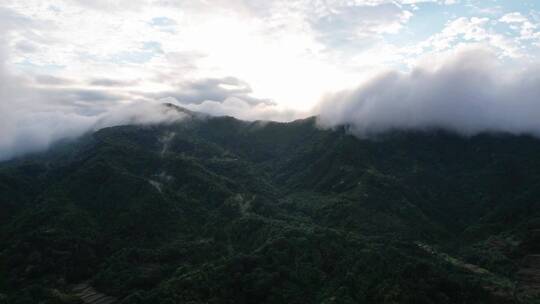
{"x":374,"y":64}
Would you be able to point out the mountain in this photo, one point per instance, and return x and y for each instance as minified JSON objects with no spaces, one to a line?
{"x":218,"y":210}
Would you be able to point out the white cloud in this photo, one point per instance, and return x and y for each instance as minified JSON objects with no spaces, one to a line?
{"x":33,"y":118}
{"x":243,"y":110}
{"x":470,"y":91}
{"x":445,"y":2}
{"x":71,"y":62}
{"x":515,"y":17}
{"x":527,"y":29}
{"x":473,"y":30}
{"x":251,"y":40}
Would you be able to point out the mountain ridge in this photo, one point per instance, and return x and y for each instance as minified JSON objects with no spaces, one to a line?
{"x":219,"y":210}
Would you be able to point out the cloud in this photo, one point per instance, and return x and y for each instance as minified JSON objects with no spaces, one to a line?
{"x":85,"y":64}
{"x":244,"y":110}
{"x":527,"y":29}
{"x":52,"y":80}
{"x":107,"y":82}
{"x":474,"y":30}
{"x":227,"y":96}
{"x":212,"y":89}
{"x":33,"y":118}
{"x":470,"y":91}
{"x":365,"y":19}
{"x":111,"y":5}
{"x":355,"y":24}
{"x":33,"y":124}
{"x":38,"y":109}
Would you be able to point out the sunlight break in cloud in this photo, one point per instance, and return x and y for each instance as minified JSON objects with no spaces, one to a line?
{"x":69,"y":66}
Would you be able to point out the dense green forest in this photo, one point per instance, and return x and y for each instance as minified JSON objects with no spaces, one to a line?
{"x":218,"y":210}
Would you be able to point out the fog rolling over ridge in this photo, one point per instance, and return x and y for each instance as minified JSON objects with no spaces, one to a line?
{"x":31,"y":119}
{"x":469,"y":92}
{"x":269,"y":151}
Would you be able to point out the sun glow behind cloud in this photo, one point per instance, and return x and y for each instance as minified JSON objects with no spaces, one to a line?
{"x":253,"y":59}
{"x":280,"y":48}
{"x":290,"y":52}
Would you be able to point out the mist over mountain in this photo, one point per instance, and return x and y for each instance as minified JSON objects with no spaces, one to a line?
{"x":214,"y":209}
{"x":469,"y":92}
{"x":32,"y":118}
{"x":269,"y":152}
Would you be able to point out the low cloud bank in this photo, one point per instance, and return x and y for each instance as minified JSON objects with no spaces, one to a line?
{"x":242,"y":109}
{"x":25,"y":129}
{"x":469,"y":92}
{"x":37,"y":111}
{"x":32,"y":119}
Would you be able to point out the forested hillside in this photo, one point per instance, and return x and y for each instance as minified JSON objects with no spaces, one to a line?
{"x":218,"y":210}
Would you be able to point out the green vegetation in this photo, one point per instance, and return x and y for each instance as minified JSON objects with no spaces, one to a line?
{"x":217,"y":210}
